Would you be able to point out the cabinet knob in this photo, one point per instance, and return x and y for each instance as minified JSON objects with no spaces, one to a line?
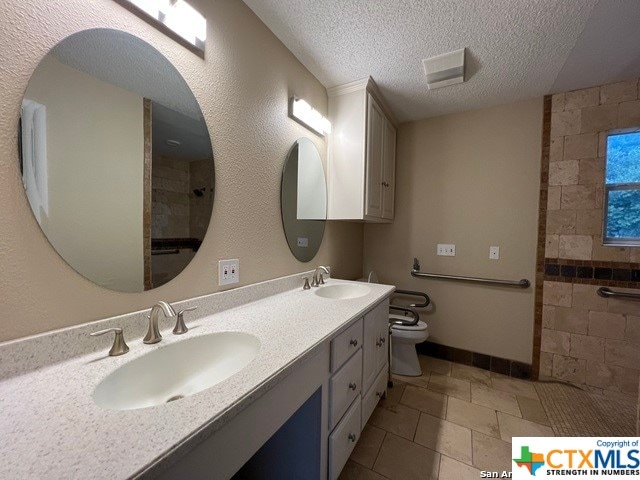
{"x":353,"y":342}
{"x":352,"y":437}
{"x":382,"y":340}
{"x":379,"y":394}
{"x":353,"y":386}
{"x":378,"y":343}
{"x":385,"y":184}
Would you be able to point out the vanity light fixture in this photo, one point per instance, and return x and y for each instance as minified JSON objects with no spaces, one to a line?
{"x":176,"y":16}
{"x":305,"y":114}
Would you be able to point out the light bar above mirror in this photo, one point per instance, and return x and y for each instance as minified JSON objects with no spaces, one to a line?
{"x":306,"y":115}
{"x":176,"y":16}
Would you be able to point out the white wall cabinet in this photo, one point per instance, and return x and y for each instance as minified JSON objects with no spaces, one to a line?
{"x":362,"y":154}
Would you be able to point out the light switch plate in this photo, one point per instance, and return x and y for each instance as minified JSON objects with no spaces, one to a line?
{"x":494,"y":253}
{"x":446,"y":250}
{"x":228,"y":271}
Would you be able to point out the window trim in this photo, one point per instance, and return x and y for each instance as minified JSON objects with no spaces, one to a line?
{"x":609,"y":187}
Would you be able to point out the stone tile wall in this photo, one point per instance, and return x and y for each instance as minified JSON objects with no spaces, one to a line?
{"x":169,"y":215}
{"x":170,"y":197}
{"x":200,"y":176}
{"x":590,"y":340}
{"x":586,"y":339}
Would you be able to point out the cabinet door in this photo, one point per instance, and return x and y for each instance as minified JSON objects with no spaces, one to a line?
{"x":376,"y":327}
{"x":382,"y":320}
{"x":369,"y":351}
{"x":388,"y":170}
{"x":373,"y":179}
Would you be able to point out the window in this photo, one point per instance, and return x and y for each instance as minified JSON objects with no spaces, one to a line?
{"x":177,"y":16}
{"x":622,"y":189}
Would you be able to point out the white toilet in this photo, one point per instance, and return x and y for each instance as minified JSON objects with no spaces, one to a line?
{"x":404,"y":357}
{"x":404,"y":338}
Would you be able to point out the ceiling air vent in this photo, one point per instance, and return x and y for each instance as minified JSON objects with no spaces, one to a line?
{"x":444,"y":70}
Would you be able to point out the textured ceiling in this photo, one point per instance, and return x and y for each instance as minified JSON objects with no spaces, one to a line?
{"x":125,"y":61}
{"x":191,"y":133}
{"x":608,"y":49}
{"x":516,"y":48}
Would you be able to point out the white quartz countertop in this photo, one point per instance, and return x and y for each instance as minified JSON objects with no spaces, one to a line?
{"x":51,"y":428}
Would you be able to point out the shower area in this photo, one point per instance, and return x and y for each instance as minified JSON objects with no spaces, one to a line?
{"x":182,"y":192}
{"x":587,"y":325}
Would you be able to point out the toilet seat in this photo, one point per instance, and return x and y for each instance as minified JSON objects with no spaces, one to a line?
{"x":404,"y":338}
{"x":418,"y":327}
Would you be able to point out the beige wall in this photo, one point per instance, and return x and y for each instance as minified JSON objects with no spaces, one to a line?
{"x":242,"y":86}
{"x":586,"y":339}
{"x":471,"y":179}
{"x":95,"y":227}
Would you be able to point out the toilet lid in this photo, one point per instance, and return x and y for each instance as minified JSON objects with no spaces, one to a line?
{"x":420,"y":326}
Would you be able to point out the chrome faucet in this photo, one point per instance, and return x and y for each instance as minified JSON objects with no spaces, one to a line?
{"x":153,"y":334}
{"x":319,"y":280}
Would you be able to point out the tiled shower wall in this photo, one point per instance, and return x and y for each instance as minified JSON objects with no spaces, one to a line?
{"x":171,"y":190}
{"x":586,"y":339}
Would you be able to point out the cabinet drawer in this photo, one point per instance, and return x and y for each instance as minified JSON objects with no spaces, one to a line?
{"x":344,"y":387}
{"x":345,"y":345}
{"x":343,"y":439}
{"x":373,"y":395}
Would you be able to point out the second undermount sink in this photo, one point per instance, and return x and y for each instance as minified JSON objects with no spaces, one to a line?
{"x":176,"y":371}
{"x":343,"y":291}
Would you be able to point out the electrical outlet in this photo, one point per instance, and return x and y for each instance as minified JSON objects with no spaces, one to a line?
{"x":447,"y":250}
{"x":494,"y":253}
{"x":228,"y":271}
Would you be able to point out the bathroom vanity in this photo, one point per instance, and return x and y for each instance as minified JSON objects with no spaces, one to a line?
{"x":321,"y":362}
{"x":269,"y":378}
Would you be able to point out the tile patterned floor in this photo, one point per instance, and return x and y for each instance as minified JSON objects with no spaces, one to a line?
{"x":573,"y":412}
{"x":448,"y":424}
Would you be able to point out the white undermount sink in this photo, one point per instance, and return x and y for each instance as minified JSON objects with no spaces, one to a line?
{"x":176,"y":371}
{"x":343,"y":291}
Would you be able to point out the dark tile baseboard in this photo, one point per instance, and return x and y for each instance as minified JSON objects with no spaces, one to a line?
{"x":480,"y":360}
{"x":609,"y":274}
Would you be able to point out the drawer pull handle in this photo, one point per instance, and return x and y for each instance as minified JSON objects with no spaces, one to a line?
{"x":353,"y":386}
{"x":353,"y":342}
{"x":352,"y":437}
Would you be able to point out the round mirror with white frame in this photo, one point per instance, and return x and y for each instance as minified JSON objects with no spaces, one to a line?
{"x":116,"y":160}
{"x":303,"y":196}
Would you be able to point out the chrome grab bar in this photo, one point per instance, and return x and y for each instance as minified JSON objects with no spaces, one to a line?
{"x":607,"y":292}
{"x":415,"y":272}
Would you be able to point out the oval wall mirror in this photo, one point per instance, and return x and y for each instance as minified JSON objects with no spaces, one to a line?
{"x":116,"y":160}
{"x":303,"y":197}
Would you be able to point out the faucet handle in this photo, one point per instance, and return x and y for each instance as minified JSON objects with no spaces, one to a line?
{"x":321,"y":279}
{"x":119,"y":346}
{"x":306,"y":283}
{"x":180,"y":327}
